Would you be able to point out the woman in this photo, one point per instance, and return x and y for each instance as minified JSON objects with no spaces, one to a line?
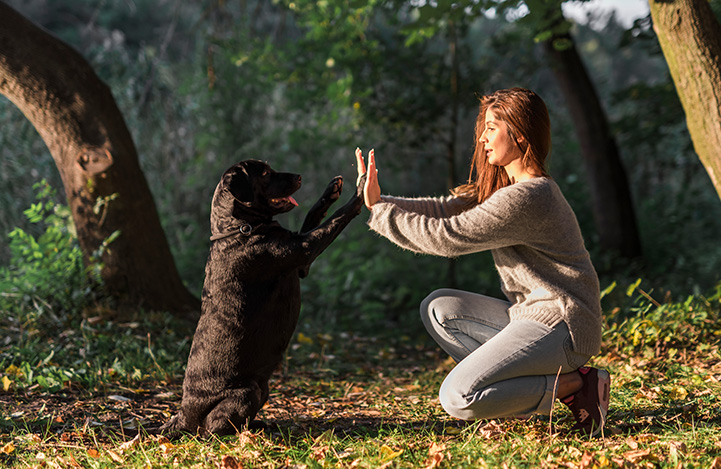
{"x":514,"y":357}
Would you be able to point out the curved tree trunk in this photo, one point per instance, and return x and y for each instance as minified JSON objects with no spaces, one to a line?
{"x":690,"y":38}
{"x":613,"y":211}
{"x":76,"y":115}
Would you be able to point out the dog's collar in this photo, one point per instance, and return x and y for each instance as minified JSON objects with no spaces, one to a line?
{"x":245,"y":230}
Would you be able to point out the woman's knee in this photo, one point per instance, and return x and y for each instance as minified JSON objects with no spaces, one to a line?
{"x":456,"y":403}
{"x":432,"y":305}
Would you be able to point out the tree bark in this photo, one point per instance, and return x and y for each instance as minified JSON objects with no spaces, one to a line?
{"x":76,"y":115}
{"x":612,"y":204}
{"x":690,"y":38}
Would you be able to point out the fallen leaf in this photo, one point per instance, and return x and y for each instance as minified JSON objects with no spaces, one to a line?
{"x":6,"y":383}
{"x":491,"y":429}
{"x":8,"y":448}
{"x":587,"y":460}
{"x":246,"y":437}
{"x":93,"y":453}
{"x":636,"y":456}
{"x":388,"y":454}
{"x":716,"y":464}
{"x":436,"y":455}
{"x":229,"y":462}
{"x":129,"y":444}
{"x":676,"y":448}
{"x":436,"y":448}
{"x":13,"y":371}
{"x":115,"y":456}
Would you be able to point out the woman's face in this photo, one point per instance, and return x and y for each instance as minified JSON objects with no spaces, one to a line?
{"x":500,"y":148}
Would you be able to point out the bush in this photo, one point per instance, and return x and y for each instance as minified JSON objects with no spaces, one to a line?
{"x":662,"y":329}
{"x":45,"y":280}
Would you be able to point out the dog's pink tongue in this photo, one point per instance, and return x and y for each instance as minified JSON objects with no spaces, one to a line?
{"x":292,"y":201}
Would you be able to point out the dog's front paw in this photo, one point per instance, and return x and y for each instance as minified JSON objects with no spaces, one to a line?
{"x":334,"y":189}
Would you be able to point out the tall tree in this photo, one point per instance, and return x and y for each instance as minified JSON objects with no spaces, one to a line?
{"x":611,"y":197}
{"x":690,"y":38}
{"x":77,"y":117}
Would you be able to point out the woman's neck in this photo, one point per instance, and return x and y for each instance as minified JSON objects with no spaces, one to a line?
{"x":519,"y":173}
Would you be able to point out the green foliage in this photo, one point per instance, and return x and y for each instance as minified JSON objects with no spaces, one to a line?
{"x":646,"y":326}
{"x":86,"y":354}
{"x":46,"y":273}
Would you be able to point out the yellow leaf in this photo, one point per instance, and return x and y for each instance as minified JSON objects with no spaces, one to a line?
{"x":387,"y":453}
{"x":93,"y":453}
{"x":13,"y":370}
{"x":304,"y":339}
{"x":6,"y":383}
{"x":8,"y":448}
{"x":678,"y":393}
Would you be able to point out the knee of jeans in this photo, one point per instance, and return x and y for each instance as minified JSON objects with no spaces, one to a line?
{"x":428,"y":309}
{"x":455,"y":403}
{"x":425,"y":308}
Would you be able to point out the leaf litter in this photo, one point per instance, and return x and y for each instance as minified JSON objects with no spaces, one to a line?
{"x":376,"y":413}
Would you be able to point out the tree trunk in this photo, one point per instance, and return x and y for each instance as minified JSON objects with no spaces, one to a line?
{"x":611,"y":198}
{"x":76,"y":115}
{"x":690,"y":38}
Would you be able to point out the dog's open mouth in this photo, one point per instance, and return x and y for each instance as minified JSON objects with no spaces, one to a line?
{"x":284,"y":202}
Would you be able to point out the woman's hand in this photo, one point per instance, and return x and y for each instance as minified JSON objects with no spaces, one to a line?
{"x":371,"y":191}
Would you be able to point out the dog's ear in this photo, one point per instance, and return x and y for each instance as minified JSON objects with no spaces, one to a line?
{"x":238,"y":184}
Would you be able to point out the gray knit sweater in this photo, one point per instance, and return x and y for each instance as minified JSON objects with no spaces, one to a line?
{"x":536,"y":243}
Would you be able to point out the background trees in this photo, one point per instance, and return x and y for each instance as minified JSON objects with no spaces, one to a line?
{"x":690,"y":37}
{"x":76,"y":116}
{"x":204,"y":84}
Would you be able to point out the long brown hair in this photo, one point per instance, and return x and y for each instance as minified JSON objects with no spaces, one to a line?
{"x":525,"y":115}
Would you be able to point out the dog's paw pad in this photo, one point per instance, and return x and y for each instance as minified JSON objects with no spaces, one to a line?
{"x":334,"y":189}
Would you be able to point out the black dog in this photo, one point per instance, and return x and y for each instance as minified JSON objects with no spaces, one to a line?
{"x":251,"y":294}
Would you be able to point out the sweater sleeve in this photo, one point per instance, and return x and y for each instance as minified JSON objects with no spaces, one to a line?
{"x":507,"y":218}
{"x":437,"y":207}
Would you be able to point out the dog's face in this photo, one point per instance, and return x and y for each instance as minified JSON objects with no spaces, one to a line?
{"x":258,"y":189}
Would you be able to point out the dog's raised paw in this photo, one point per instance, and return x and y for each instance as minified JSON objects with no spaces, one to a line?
{"x":334,"y":189}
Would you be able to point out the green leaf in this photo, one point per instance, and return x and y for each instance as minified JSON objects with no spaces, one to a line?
{"x":632,"y":288}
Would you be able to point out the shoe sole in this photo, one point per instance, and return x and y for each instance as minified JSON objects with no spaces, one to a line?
{"x":604,"y":397}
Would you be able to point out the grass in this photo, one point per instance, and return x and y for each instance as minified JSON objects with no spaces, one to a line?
{"x":80,"y":397}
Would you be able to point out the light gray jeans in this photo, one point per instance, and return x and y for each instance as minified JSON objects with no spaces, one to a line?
{"x":504,"y":368}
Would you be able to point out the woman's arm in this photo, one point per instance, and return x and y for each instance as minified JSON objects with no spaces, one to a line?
{"x":511,"y":216}
{"x":430,"y":206}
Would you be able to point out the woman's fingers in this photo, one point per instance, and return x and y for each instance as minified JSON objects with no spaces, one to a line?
{"x":372,"y":190}
{"x":360,"y":164}
{"x":359,"y":161}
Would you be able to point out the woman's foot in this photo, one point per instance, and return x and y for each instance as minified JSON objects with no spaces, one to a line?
{"x":589,"y":405}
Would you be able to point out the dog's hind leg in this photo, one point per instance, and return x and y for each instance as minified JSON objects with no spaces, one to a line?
{"x":236,"y":410}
